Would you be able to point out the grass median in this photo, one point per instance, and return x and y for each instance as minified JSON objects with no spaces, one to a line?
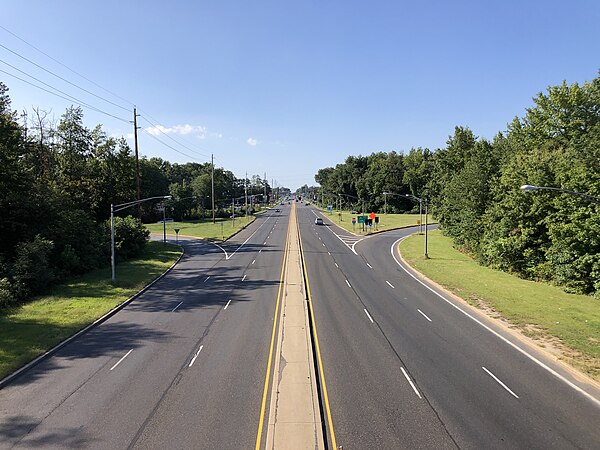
{"x":222,"y":229}
{"x":566,"y":324}
{"x":32,"y":329}
{"x":386,"y":221}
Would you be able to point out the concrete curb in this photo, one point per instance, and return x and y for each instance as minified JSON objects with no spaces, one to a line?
{"x":6,"y":380}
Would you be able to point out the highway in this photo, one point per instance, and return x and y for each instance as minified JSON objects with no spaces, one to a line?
{"x":406,"y":369}
{"x":182,"y":366}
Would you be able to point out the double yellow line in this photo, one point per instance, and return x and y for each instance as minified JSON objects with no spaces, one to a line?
{"x":317,"y":347}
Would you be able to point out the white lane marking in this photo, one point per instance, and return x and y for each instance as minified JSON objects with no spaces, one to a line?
{"x":337,"y":265}
{"x":391,"y":285}
{"x":495,"y":333}
{"x":119,"y":361}
{"x":207,"y":278}
{"x":244,"y":277}
{"x":410,"y":381}
{"x":180,"y":303}
{"x":253,"y":261}
{"x":329,"y":253}
{"x":195,"y":356}
{"x":260,"y":251}
{"x":368,"y":315}
{"x":265,"y":243}
{"x":249,"y":237}
{"x":370,"y":266}
{"x":227,"y":304}
{"x":423,"y":314}
{"x":348,"y":283}
{"x":323,"y":245}
{"x":500,"y":382}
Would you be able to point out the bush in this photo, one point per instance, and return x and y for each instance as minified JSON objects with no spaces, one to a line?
{"x":32,"y":271}
{"x":130,"y":237}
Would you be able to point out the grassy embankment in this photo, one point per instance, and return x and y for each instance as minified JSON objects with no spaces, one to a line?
{"x":31,"y":329}
{"x":567,"y":324}
{"x":386,"y":221}
{"x":220,"y":230}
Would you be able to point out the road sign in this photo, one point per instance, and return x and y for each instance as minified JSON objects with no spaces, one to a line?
{"x":361,"y":219}
{"x":353,"y":220}
{"x":372,"y":216}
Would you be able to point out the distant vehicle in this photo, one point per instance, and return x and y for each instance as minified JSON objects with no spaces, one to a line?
{"x":318,"y":221}
{"x":308,"y":203}
{"x":233,"y":216}
{"x":278,"y":210}
{"x":166,"y":220}
{"x":354,"y":212}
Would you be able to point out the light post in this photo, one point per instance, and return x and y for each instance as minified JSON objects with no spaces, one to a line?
{"x":113,"y":210}
{"x":528,"y":188}
{"x":420,"y":200}
{"x":420,"y":211}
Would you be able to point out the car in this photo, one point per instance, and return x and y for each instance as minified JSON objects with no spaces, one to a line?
{"x":354,"y":212}
{"x":278,"y":210}
{"x":318,"y":221}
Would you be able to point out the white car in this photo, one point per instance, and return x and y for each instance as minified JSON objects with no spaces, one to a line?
{"x":318,"y":221}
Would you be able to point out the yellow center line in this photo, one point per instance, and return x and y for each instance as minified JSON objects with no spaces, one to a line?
{"x":317,"y":347}
{"x":268,"y":375}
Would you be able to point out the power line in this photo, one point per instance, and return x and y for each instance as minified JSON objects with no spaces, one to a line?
{"x":65,"y":66}
{"x":71,"y":99}
{"x":158,"y":127}
{"x":172,"y":148}
{"x":63,"y":79}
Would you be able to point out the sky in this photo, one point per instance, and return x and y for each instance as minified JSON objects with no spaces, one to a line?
{"x":289,"y":87}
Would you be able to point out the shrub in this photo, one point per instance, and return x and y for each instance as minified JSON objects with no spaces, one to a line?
{"x":130,"y":237}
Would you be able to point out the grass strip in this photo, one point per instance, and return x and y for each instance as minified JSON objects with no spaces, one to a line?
{"x":222,"y":229}
{"x":30,"y":330}
{"x":566,"y":324}
{"x":386,"y":221}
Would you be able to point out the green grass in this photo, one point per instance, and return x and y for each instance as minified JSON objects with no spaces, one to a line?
{"x":33,"y":328}
{"x":386,"y":221}
{"x":541,"y":311}
{"x":221,"y":230}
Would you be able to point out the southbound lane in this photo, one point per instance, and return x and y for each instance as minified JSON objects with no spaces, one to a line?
{"x":177,"y":363}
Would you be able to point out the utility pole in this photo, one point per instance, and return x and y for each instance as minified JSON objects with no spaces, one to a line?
{"x":246,"y":194}
{"x":265,"y":186}
{"x":137,"y":161}
{"x":212,"y":183}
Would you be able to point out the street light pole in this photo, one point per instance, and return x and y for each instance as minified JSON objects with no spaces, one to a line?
{"x":385,"y":203}
{"x":113,"y":210}
{"x":420,"y":200}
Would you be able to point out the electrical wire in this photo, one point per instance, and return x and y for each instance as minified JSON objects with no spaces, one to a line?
{"x":172,"y":148}
{"x":158,"y":127}
{"x":71,"y":99}
{"x":63,"y":79}
{"x":65,"y":66}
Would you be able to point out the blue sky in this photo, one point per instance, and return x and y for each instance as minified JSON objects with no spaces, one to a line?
{"x":289,"y":87}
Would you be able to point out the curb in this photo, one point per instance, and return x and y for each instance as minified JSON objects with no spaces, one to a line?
{"x":9,"y":378}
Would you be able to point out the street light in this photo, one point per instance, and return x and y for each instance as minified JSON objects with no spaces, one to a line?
{"x":529,"y":187}
{"x":420,"y":200}
{"x":420,"y":211}
{"x":385,"y":194}
{"x":113,"y":210}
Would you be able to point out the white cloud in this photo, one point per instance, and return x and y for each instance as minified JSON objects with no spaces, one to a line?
{"x":198,"y":130}
{"x":252,"y":142}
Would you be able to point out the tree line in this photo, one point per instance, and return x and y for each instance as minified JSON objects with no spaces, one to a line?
{"x":473,"y":188}
{"x":57,"y":182}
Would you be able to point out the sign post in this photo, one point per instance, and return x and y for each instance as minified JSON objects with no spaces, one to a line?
{"x":177,"y":235}
{"x":353,"y":223}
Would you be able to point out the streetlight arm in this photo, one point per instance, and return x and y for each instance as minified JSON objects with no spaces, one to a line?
{"x":529,"y":187}
{"x":122,"y":206}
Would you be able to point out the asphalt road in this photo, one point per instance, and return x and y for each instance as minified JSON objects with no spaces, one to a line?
{"x":407,"y":369}
{"x":182,"y":366}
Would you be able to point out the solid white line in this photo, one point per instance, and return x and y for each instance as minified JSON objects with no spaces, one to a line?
{"x":195,"y":356}
{"x":176,"y":307}
{"x":495,"y":333}
{"x":368,"y":315}
{"x":410,"y":381}
{"x":119,"y":361}
{"x":227,"y":304}
{"x":206,"y":279}
{"x":391,"y":285}
{"x":249,"y":237}
{"x":370,"y":266}
{"x":348,"y":283}
{"x":501,"y":383}
{"x":253,"y":261}
{"x":244,"y":277}
{"x":423,"y":314}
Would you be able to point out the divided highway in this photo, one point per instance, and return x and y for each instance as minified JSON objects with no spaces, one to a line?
{"x":183,"y":365}
{"x":406,"y":369}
